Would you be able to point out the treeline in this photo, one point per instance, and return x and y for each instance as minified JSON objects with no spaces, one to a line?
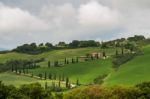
{"x":33,"y":48}
{"x":36,"y":91}
{"x":74,"y":60}
{"x":17,"y":65}
{"x":129,"y":42}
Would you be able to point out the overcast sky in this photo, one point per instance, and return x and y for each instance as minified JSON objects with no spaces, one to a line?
{"x":26,"y":21}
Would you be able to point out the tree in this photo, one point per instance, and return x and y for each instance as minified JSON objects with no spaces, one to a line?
{"x":41,"y":44}
{"x":104,"y":54}
{"x":67,"y":82}
{"x":56,"y":63}
{"x":97,"y":57}
{"x":62,"y":44}
{"x":74,"y":43}
{"x":65,"y":62}
{"x":49,"y":64}
{"x":19,"y":71}
{"x":50,"y":76}
{"x":116,"y":52}
{"x":72,"y":60}
{"x":136,"y":38}
{"x":33,"y":45}
{"x":77,"y":59}
{"x":59,"y":81}
{"x":122,"y":50}
{"x":103,"y":45}
{"x":77,"y":82}
{"x":49,"y":45}
{"x":40,"y":75}
{"x":92,"y":58}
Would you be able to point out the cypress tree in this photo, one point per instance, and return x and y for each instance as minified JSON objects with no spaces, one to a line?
{"x":92,"y":58}
{"x":122,"y":50}
{"x":59,"y":81}
{"x":65,"y":62}
{"x":116,"y":52}
{"x":77,"y":60}
{"x":50,"y":76}
{"x":104,"y":54}
{"x":40,"y":75}
{"x":56,"y":63}
{"x":19,"y":71}
{"x":72,"y":60}
{"x":97,"y":57}
{"x":67,"y":82}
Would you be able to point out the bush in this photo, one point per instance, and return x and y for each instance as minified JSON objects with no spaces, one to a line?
{"x":100,"y":79}
{"x":140,"y":91}
{"x":121,"y":59}
{"x":145,"y":89}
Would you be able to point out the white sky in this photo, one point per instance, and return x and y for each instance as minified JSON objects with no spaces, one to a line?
{"x":26,"y":21}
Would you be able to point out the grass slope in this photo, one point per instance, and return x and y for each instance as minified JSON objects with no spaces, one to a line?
{"x":133,"y":72}
{"x":84,"y":71}
{"x":55,"y":54}
{"x":17,"y":80}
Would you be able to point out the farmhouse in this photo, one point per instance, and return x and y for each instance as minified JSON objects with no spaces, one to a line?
{"x":96,"y":54}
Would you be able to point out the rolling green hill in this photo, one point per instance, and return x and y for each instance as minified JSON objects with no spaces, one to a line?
{"x":84,"y":71}
{"x":55,"y":54}
{"x":132,"y":72}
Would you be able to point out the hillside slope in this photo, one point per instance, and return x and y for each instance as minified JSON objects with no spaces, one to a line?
{"x":55,"y":54}
{"x":133,"y":72}
{"x":84,"y":71}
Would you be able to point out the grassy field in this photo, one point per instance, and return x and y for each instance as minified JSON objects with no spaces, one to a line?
{"x":17,"y":80}
{"x":133,"y":72}
{"x":84,"y":71}
{"x":55,"y":54}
